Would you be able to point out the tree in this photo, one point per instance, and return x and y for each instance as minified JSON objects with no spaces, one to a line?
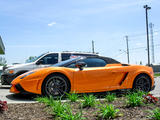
{"x":3,"y":61}
{"x":31,"y":59}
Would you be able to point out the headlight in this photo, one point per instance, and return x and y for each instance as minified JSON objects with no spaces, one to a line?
{"x":9,"y":71}
{"x":26,"y":75}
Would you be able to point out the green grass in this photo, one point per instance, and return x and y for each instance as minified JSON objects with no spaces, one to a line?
{"x":156,"y":74}
{"x":108,"y":112}
{"x":135,"y":99}
{"x":110,"y":97}
{"x":155,"y":114}
{"x":89,"y":101}
{"x":73,"y":97}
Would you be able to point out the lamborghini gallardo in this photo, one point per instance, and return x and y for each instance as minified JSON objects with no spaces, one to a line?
{"x":84,"y":75}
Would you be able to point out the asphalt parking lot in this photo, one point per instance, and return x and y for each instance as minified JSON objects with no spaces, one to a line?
{"x":26,"y":98}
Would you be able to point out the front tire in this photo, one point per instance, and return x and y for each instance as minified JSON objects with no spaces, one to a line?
{"x":142,"y":82}
{"x":55,"y":85}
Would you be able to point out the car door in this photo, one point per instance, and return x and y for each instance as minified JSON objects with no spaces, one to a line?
{"x":95,"y":77}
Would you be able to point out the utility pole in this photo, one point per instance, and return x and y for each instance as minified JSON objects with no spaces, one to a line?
{"x":152,"y":42}
{"x":127,"y":48}
{"x":92,"y":46}
{"x":146,"y":11}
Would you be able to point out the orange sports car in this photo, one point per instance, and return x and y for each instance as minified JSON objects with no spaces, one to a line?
{"x":84,"y":75}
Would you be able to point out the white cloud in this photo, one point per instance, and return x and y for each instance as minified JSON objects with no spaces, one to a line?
{"x":51,"y":24}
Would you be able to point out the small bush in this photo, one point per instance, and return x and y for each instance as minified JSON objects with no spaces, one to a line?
{"x":3,"y":106}
{"x":110,"y":97}
{"x":155,"y":114}
{"x":135,"y":99}
{"x":73,"y":97}
{"x":68,"y":114}
{"x":48,"y":101}
{"x":58,"y":108}
{"x":108,"y":112}
{"x":89,"y":101}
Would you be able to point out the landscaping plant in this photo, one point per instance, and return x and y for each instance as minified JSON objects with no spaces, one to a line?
{"x":3,"y":106}
{"x":89,"y":101}
{"x":73,"y":97}
{"x":68,"y":114}
{"x":48,"y":101}
{"x":110,"y":97}
{"x":134,"y":99}
{"x":155,"y":114}
{"x":108,"y":112}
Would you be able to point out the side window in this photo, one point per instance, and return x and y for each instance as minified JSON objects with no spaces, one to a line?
{"x":65,"y":56}
{"x":72,"y":65}
{"x":50,"y":59}
{"x":94,"y":62}
{"x":91,"y":62}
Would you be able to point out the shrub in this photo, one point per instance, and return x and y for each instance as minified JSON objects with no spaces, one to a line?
{"x":108,"y":112}
{"x":110,"y":97}
{"x":3,"y":106}
{"x":134,"y":99}
{"x":73,"y":97}
{"x":48,"y":101}
{"x":155,"y":114}
{"x":58,"y":108}
{"x":89,"y":101}
{"x":68,"y":114}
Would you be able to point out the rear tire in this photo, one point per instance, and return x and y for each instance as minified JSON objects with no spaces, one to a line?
{"x":55,"y":86}
{"x":142,"y":82}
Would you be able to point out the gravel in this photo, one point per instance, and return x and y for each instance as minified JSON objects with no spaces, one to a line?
{"x":39,"y":111}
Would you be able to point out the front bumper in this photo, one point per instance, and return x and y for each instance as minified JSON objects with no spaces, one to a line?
{"x":6,"y":79}
{"x":17,"y":89}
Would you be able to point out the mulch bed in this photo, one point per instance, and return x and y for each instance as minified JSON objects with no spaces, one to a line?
{"x":38,"y":111}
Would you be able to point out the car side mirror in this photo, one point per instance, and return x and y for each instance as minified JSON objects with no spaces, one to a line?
{"x":39,"y":62}
{"x":80,"y":65}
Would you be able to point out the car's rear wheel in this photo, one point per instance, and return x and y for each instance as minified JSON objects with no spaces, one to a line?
{"x":55,"y":85}
{"x":142,"y":82}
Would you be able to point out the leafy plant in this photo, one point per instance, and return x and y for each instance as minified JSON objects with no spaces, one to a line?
{"x":48,"y":101}
{"x":68,"y":114}
{"x":3,"y":106}
{"x":89,"y":101}
{"x":108,"y":112}
{"x":135,"y":99}
{"x":58,"y":108}
{"x":155,"y":114}
{"x":110,"y":97}
{"x":73,"y":97}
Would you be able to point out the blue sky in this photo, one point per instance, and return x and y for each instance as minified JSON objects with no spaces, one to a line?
{"x":31,"y":27}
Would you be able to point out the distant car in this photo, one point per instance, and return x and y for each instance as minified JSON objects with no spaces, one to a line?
{"x":44,"y":60}
{"x":83,"y":75}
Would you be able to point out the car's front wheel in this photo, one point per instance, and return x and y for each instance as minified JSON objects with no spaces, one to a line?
{"x":142,"y":82}
{"x":55,"y":85}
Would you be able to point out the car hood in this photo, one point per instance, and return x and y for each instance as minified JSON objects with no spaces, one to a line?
{"x":19,"y":65}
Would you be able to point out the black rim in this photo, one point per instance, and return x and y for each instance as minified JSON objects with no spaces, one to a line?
{"x":143,"y":84}
{"x":56,"y":86}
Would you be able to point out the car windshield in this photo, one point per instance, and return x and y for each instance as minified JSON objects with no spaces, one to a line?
{"x":60,"y":64}
{"x":33,"y":59}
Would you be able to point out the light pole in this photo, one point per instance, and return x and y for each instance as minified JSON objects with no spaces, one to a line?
{"x":92,"y":46}
{"x":146,"y":11}
{"x":127,"y":48}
